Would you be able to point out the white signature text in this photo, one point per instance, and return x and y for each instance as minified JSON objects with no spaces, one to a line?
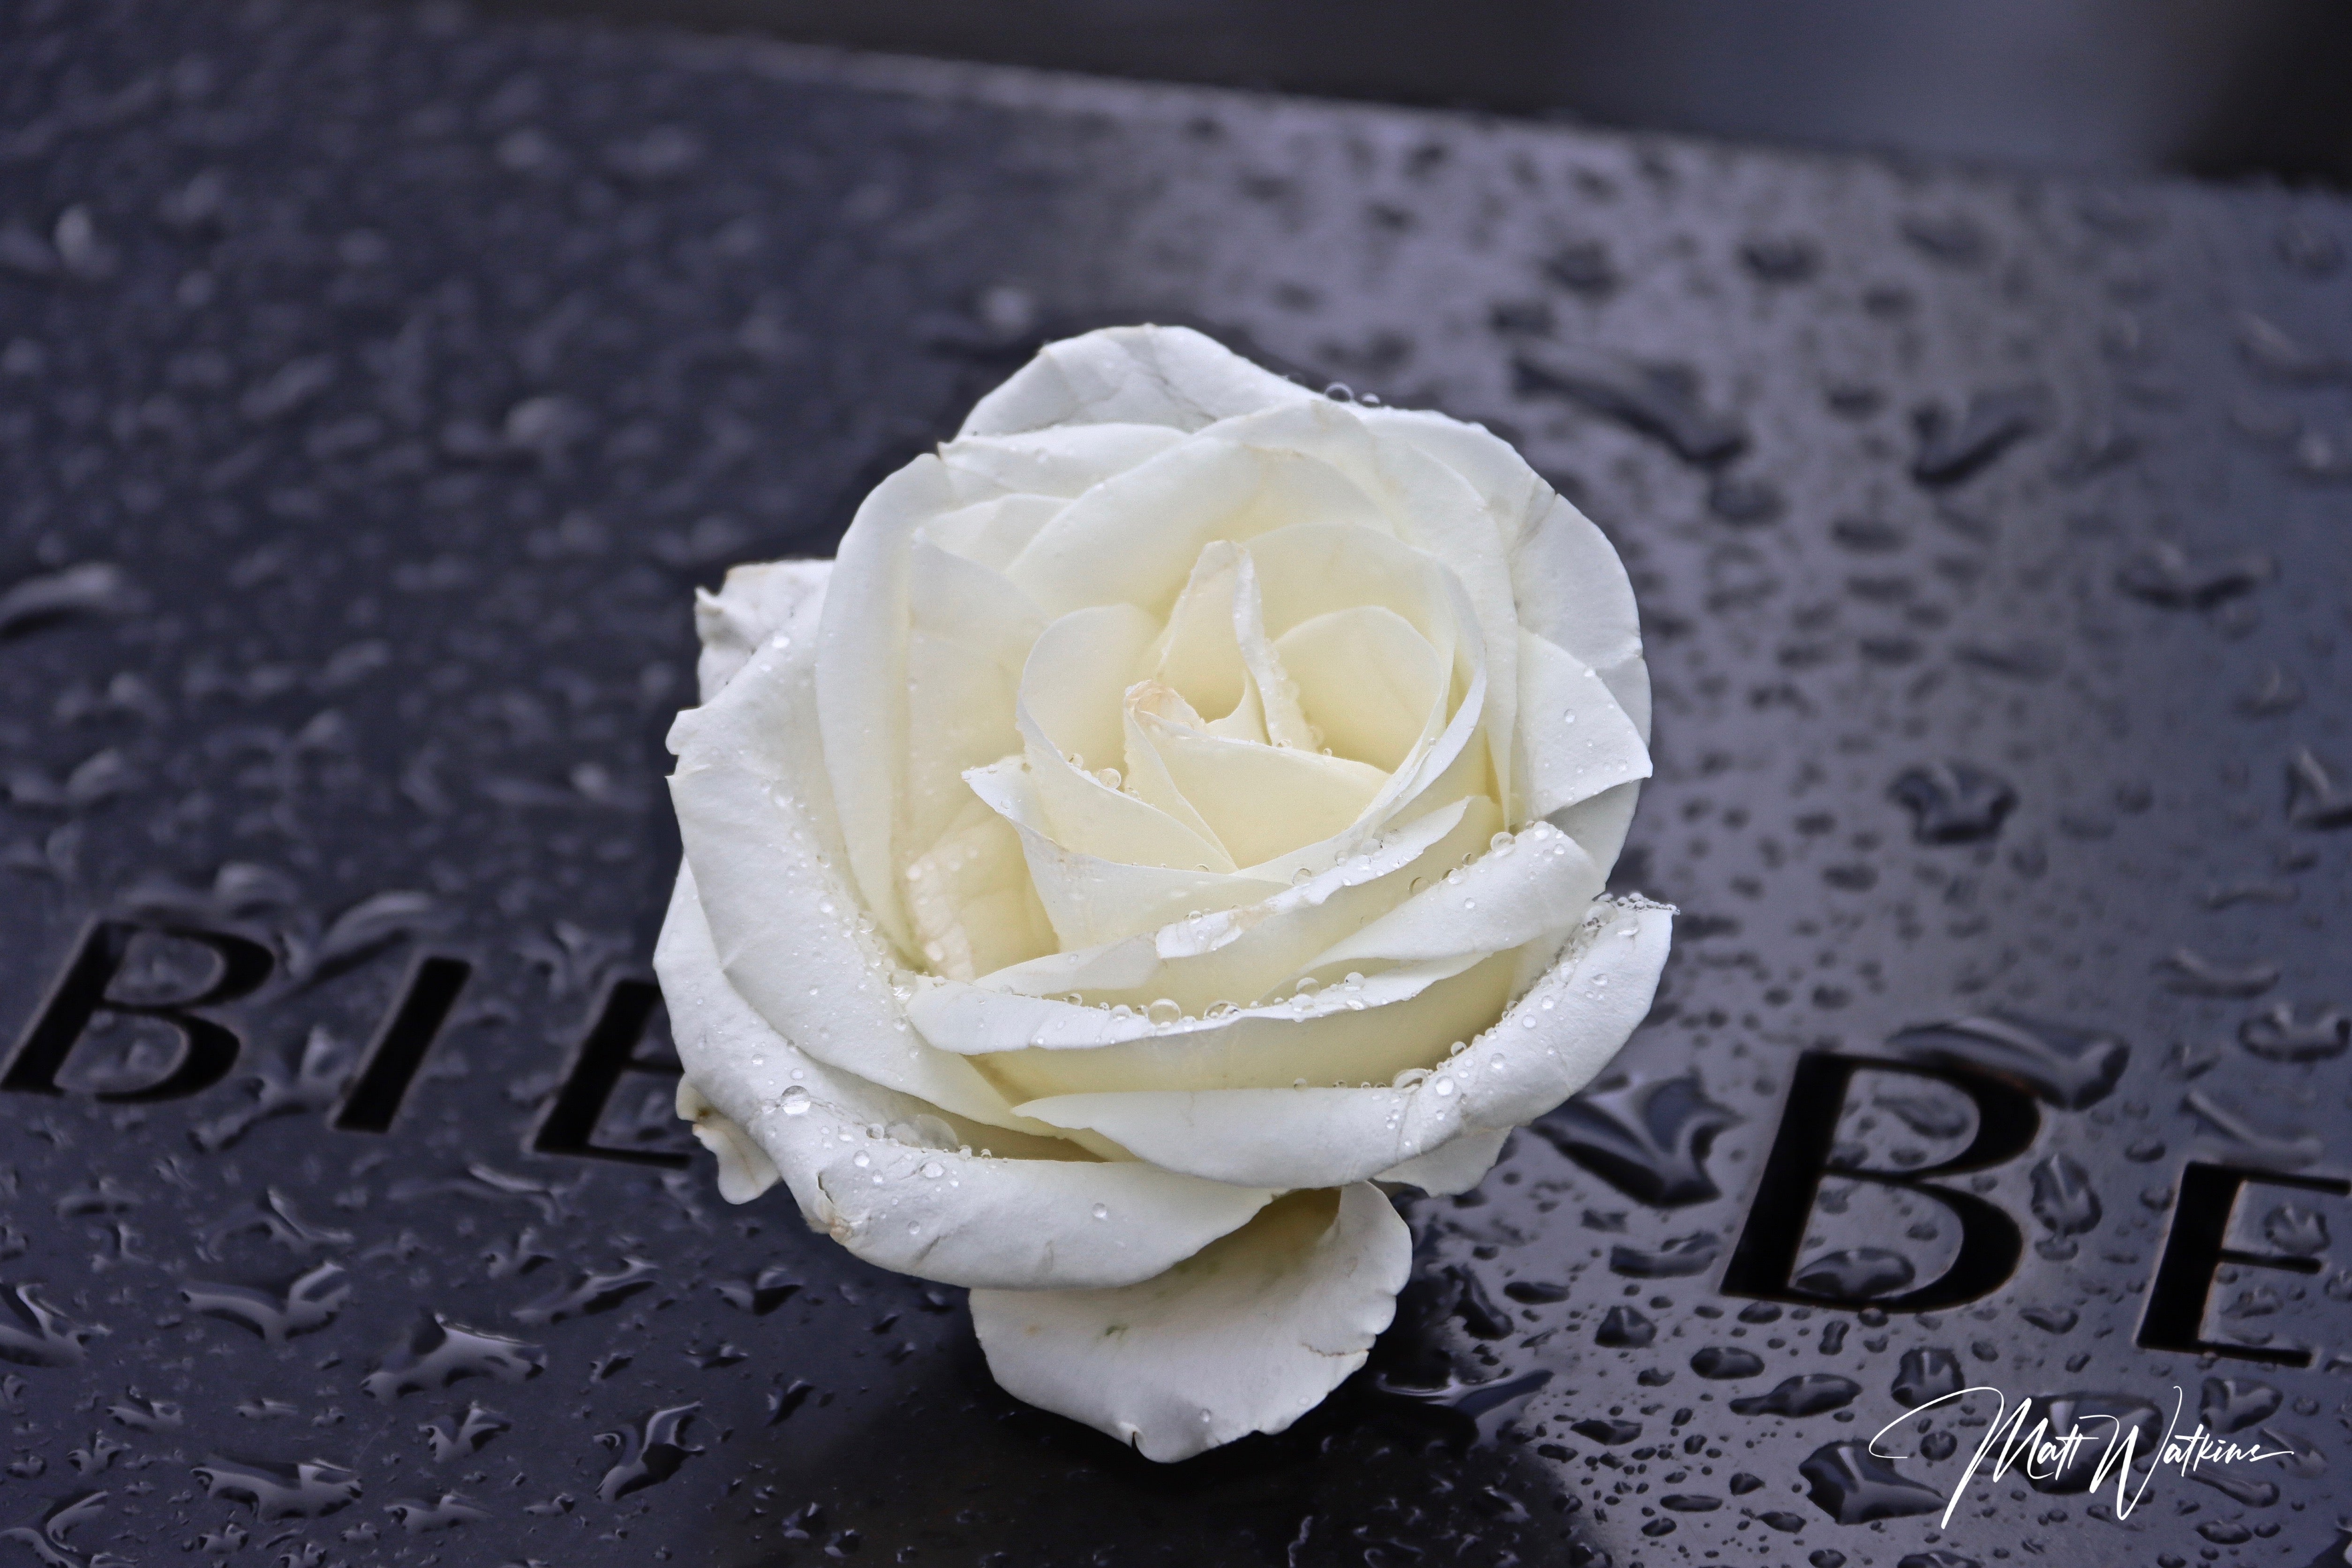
{"x":2038,"y":1453}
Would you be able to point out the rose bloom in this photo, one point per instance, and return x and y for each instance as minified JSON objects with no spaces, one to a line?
{"x":1178,"y":819}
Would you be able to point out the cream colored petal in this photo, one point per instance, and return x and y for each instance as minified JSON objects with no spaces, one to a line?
{"x":754,"y":813}
{"x":991,"y":534}
{"x":750,"y":607}
{"x":1058,"y":463}
{"x":1409,"y":1014}
{"x":1367,"y":680}
{"x":1541,"y":881}
{"x":1575,"y":740}
{"x":974,"y":907}
{"x":1211,"y":487}
{"x":744,"y":1168}
{"x":1278,"y":710}
{"x":1451,"y":1167}
{"x":1246,"y":1336}
{"x":861,"y":681}
{"x":1565,"y":1029}
{"x":1244,"y":955}
{"x":1090,"y":899}
{"x":1570,"y":584}
{"x":1429,"y":505}
{"x":1075,"y":678}
{"x":1601,"y":824}
{"x":1200,"y":654}
{"x":894,"y":1179}
{"x":1087,"y":815}
{"x":1170,"y":376}
{"x":969,"y":634}
{"x":1260,"y":802}
{"x":1147,"y":778}
{"x":1550,"y":1043}
{"x":1306,"y":570}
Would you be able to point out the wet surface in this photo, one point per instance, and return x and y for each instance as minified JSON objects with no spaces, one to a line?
{"x":373,"y":391}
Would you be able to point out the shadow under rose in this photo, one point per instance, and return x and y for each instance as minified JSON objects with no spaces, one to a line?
{"x":961,"y":1470}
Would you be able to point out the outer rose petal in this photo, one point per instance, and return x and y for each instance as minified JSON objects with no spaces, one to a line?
{"x":1042,"y":1214}
{"x":1549,"y":1046}
{"x":1247,"y":1336}
{"x":1451,"y":1168}
{"x":751,"y":801}
{"x":1581,"y":742}
{"x":1137,"y":376}
{"x":753,"y":605}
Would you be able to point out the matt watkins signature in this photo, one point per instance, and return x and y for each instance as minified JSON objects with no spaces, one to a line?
{"x":2116,"y":1442}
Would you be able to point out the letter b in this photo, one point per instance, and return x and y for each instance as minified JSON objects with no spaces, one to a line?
{"x":208,"y":1048}
{"x":1990,"y":1243}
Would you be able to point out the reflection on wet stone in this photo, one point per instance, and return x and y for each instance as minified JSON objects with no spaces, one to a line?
{"x":1807,"y":1394}
{"x":1926,"y":1373}
{"x":1854,"y":1486}
{"x":1624,"y":1328}
{"x":1683,"y":1255}
{"x":1953,"y":802}
{"x":1648,"y":1139}
{"x":1854,"y":1273}
{"x":1953,"y":449}
{"x":2064,"y":1065}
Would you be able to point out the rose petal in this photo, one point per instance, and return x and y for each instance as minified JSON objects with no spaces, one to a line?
{"x":974,"y":906}
{"x":752,"y":808}
{"x":1549,"y":1045}
{"x":990,"y":533}
{"x":1367,"y":680}
{"x":1214,"y":486}
{"x":1200,"y":654}
{"x":1541,"y":882}
{"x":861,"y":681}
{"x":1570,"y":584}
{"x":1408,"y":1015}
{"x":1260,"y":802}
{"x":1147,"y":778}
{"x":752,"y":605}
{"x":744,"y":1168}
{"x":1243,"y":953}
{"x":1060,"y":464}
{"x":1452,"y":1168}
{"x":1601,"y":824}
{"x":970,"y":632}
{"x":1429,"y":505}
{"x":1172,"y":376}
{"x":1091,"y":899}
{"x":1042,"y":1214}
{"x":1245,"y":1337}
{"x":1575,"y":739}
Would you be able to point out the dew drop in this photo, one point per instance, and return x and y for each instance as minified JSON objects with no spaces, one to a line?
{"x":795,"y":1101}
{"x":1102,"y":1210}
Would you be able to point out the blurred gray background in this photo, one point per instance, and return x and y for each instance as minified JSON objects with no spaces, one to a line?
{"x":2227,"y":88}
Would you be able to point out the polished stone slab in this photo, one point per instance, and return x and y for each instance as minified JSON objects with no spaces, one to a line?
{"x":375,"y":386}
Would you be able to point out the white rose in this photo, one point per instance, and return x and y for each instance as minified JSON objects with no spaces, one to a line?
{"x":1183,"y":807}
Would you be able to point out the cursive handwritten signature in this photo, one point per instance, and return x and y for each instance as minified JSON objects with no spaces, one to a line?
{"x":2042,"y":1455}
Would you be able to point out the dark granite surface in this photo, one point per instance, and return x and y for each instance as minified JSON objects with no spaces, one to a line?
{"x":374,"y":387}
